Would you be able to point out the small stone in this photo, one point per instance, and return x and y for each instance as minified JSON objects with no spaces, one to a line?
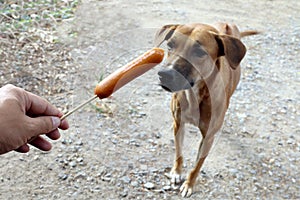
{"x":236,"y":190}
{"x":144,"y":167}
{"x":62,"y":176}
{"x":233,"y":172}
{"x":107,"y":177}
{"x":50,"y":167}
{"x":167,"y":188}
{"x":124,"y":193}
{"x":270,"y":173}
{"x":142,"y":160}
{"x":142,"y":135}
{"x":142,"y":114}
{"x":175,"y":187}
{"x":72,"y":164}
{"x":149,"y":185}
{"x":272,"y":160}
{"x":36,"y":157}
{"x":126,"y":179}
{"x":290,"y":141}
{"x":97,"y":188}
{"x":80,"y":143}
{"x":150,"y":140}
{"x":80,"y":175}
{"x":153,"y":170}
{"x":158,"y":135}
{"x":277,"y":164}
{"x":90,"y":178}
{"x":114,"y":141}
{"x":101,"y":171}
{"x":135,"y":183}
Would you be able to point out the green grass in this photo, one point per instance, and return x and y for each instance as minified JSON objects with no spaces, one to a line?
{"x":21,"y":15}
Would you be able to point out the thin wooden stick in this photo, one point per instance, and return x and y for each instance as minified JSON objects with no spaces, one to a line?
{"x":78,"y":107}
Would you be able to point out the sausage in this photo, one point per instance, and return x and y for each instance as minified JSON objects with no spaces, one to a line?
{"x":127,"y":73}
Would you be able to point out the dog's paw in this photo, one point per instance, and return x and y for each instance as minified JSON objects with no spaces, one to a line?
{"x":186,"y":190}
{"x":174,"y":176}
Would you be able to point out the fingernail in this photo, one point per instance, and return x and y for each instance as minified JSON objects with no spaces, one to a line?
{"x":55,"y":122}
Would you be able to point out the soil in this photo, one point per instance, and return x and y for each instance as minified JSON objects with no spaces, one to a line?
{"x":121,"y":147}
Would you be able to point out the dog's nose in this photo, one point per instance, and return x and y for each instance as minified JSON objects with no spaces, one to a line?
{"x":167,"y":74}
{"x":172,"y":80}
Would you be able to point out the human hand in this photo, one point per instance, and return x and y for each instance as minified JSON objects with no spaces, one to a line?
{"x":24,"y":117}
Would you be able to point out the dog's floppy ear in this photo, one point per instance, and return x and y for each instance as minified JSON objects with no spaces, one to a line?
{"x":164,"y":34}
{"x":232,"y":48}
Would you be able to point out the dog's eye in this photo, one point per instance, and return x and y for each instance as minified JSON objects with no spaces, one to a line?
{"x":171,"y":45}
{"x":198,"y":51}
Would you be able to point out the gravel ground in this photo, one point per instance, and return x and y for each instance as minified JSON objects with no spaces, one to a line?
{"x":121,"y":147}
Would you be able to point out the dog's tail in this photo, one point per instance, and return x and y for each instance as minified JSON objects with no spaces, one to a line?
{"x":248,"y":33}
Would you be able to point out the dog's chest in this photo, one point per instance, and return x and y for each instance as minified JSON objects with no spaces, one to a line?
{"x":189,"y":105}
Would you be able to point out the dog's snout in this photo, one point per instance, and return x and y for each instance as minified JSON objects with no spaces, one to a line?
{"x":167,"y":74}
{"x":172,"y":80}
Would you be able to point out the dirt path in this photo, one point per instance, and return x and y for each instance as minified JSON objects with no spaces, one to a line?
{"x":124,"y":151}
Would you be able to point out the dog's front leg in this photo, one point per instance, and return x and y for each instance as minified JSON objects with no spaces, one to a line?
{"x":176,"y":170}
{"x":186,"y":188}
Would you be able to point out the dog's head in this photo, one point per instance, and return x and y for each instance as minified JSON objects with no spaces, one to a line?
{"x":193,"y":51}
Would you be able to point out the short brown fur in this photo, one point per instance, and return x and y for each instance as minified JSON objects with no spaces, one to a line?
{"x":204,"y":104}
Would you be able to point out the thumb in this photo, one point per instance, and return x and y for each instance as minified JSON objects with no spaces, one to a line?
{"x":44,"y":124}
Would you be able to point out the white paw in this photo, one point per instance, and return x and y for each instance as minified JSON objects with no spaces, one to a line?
{"x":186,"y":190}
{"x":174,"y":176}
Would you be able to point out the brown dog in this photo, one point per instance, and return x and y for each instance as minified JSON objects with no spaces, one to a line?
{"x":202,"y":70}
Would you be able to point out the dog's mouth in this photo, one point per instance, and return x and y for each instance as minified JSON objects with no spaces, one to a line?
{"x":173,"y":81}
{"x":165,"y":88}
{"x":174,"y":88}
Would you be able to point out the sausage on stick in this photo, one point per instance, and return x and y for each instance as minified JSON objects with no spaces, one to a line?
{"x":129,"y":72}
{"x":122,"y":76}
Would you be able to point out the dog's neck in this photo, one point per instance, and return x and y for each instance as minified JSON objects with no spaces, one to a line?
{"x":199,"y":93}
{"x":216,"y":69}
{"x":201,"y":89}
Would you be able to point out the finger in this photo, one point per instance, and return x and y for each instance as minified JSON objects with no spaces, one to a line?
{"x":37,"y":106}
{"x":64,"y":125}
{"x":53,"y":135}
{"x":23,"y":149}
{"x":41,"y":144}
{"x":42,"y":125}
